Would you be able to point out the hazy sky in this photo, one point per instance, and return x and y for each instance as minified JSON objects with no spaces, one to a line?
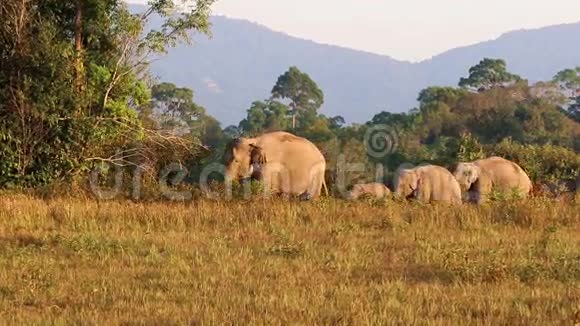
{"x":406,"y":29}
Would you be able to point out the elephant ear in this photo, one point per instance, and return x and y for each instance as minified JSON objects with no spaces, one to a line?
{"x":257,"y":155}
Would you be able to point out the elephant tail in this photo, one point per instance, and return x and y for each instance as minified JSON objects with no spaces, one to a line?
{"x":325,"y":187}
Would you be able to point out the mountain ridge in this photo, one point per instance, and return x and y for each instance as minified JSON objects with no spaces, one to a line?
{"x":240,"y":63}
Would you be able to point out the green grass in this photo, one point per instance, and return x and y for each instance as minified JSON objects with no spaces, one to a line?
{"x":69,"y":261}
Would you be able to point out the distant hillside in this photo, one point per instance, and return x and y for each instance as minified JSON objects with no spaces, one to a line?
{"x":534,"y":54}
{"x":242,"y":60}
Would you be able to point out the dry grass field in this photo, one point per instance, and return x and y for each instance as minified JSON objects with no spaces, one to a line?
{"x":72,"y":261}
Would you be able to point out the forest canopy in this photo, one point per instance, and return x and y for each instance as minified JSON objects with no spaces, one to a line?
{"x":75,"y":91}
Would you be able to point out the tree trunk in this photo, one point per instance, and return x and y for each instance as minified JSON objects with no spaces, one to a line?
{"x":294,"y":119}
{"x":79,"y":45}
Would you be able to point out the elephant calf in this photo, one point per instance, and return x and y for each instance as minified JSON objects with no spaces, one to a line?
{"x":482,"y":176}
{"x":374,"y":190}
{"x":428,"y":183}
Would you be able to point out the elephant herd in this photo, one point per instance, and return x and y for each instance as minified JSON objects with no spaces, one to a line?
{"x":472,"y":182}
{"x":292,"y":165}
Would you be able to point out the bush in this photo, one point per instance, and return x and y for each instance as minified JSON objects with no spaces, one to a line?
{"x":543,"y":163}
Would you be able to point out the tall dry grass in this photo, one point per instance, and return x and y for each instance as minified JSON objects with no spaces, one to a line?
{"x":70,"y":261}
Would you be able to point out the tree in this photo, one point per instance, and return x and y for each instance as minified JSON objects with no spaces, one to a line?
{"x":336,"y":125}
{"x":336,"y":122}
{"x":277,"y":116}
{"x":72,"y":74}
{"x":212,"y":135}
{"x":301,"y":90}
{"x":265,"y":117}
{"x":432,"y":96}
{"x":174,"y":110}
{"x":232,"y":132}
{"x":394,"y":120}
{"x":569,"y":82}
{"x":315,"y":127}
{"x":488,"y":74}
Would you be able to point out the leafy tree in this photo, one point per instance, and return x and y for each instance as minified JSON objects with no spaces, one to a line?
{"x":232,"y":132}
{"x":277,"y":116}
{"x":488,"y":74}
{"x":469,"y":149}
{"x":317,"y":129}
{"x":569,"y":82}
{"x":71,"y":76}
{"x":174,"y":110}
{"x":301,"y":90}
{"x":395,"y":120}
{"x":336,"y":122}
{"x":265,"y":117}
{"x":255,"y":120}
{"x":433,"y":96}
{"x":212,"y":135}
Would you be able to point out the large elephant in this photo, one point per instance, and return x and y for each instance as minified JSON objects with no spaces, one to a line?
{"x":480,"y":177}
{"x":374,"y":190}
{"x":285,"y":163}
{"x":427,"y":183}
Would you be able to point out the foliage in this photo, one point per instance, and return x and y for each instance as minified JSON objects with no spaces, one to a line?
{"x":265,"y":117}
{"x":543,"y":163}
{"x":469,"y":149}
{"x":569,"y":81}
{"x":174,"y":110}
{"x":301,"y":90}
{"x":488,"y":74}
{"x":72,"y":74}
{"x":494,"y":115}
{"x":352,"y":164}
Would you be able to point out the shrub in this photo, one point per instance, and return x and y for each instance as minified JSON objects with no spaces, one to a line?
{"x":543,"y":163}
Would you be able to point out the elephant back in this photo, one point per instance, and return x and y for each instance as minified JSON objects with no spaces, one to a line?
{"x":504,"y":174}
{"x":288,"y":149}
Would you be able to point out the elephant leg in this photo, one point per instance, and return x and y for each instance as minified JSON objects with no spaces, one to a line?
{"x":424,"y":191}
{"x":483,"y":188}
{"x":312,"y":191}
{"x":424,"y":195}
{"x":277,"y":180}
{"x":316,"y":188}
{"x":316,"y":181}
{"x":267,"y":181}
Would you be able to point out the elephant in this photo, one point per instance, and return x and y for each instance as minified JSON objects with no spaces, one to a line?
{"x":427,"y":183}
{"x":374,"y":190}
{"x":286,"y":164}
{"x":482,"y":176}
